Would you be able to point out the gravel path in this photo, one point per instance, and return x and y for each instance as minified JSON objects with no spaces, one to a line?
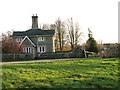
{"x":45,"y":60}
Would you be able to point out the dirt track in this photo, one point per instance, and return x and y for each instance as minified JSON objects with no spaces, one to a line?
{"x":46,"y":60}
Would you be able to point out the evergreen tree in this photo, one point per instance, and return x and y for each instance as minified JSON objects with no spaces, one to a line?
{"x":91,"y":44}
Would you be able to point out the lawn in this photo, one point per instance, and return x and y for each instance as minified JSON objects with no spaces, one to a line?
{"x":82,"y":73}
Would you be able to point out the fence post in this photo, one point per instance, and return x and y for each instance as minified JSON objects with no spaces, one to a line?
{"x":85,"y":53}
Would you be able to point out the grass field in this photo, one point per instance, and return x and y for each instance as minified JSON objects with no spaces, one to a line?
{"x":83,"y":73}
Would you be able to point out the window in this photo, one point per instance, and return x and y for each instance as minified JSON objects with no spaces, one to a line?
{"x":19,"y":39}
{"x":27,"y":49}
{"x":41,"y":49}
{"x":105,"y":48}
{"x":41,"y":39}
{"x":23,"y":49}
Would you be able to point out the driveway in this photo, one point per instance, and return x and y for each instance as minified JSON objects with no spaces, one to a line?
{"x":45,"y":60}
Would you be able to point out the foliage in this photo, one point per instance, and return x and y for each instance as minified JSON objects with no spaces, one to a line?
{"x":91,"y":44}
{"x":9,"y":45}
{"x":80,"y":73}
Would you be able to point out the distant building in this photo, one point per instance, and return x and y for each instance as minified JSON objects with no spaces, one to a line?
{"x":112,"y":50}
{"x":35,"y":40}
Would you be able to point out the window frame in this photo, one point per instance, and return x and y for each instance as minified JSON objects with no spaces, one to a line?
{"x":19,"y":39}
{"x":41,"y":39}
{"x":42,"y":49}
{"x":27,"y":50}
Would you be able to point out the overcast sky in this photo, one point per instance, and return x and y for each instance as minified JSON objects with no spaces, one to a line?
{"x":101,"y":16}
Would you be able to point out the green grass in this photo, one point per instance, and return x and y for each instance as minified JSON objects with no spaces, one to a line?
{"x":30,"y":59}
{"x":83,"y":73}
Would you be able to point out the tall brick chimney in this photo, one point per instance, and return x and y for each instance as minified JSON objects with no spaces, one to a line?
{"x":34,"y":21}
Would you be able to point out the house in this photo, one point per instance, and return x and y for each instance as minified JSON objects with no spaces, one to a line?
{"x":111,"y":50}
{"x":35,"y":40}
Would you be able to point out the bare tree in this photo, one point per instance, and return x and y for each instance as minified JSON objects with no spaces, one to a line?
{"x":48,"y":26}
{"x":73,"y":33}
{"x":60,"y":33}
{"x":100,"y":45}
{"x":45,"y":26}
{"x":78,"y":35}
{"x":65,"y":35}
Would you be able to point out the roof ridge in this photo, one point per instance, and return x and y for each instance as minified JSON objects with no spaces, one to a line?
{"x":34,"y":32}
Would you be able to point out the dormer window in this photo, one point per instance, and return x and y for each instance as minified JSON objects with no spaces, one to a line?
{"x":41,"y":39}
{"x":19,"y":39}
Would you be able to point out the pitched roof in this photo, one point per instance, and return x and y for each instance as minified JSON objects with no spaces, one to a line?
{"x":32,"y":32}
{"x":26,"y":37}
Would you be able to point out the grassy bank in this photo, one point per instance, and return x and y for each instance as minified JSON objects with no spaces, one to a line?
{"x":83,"y":73}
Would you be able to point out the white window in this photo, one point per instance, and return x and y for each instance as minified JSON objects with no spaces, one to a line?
{"x":27,"y":49}
{"x":41,"y":49}
{"x":23,"y":49}
{"x":105,"y":48}
{"x":19,"y":39}
{"x":41,"y":39}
